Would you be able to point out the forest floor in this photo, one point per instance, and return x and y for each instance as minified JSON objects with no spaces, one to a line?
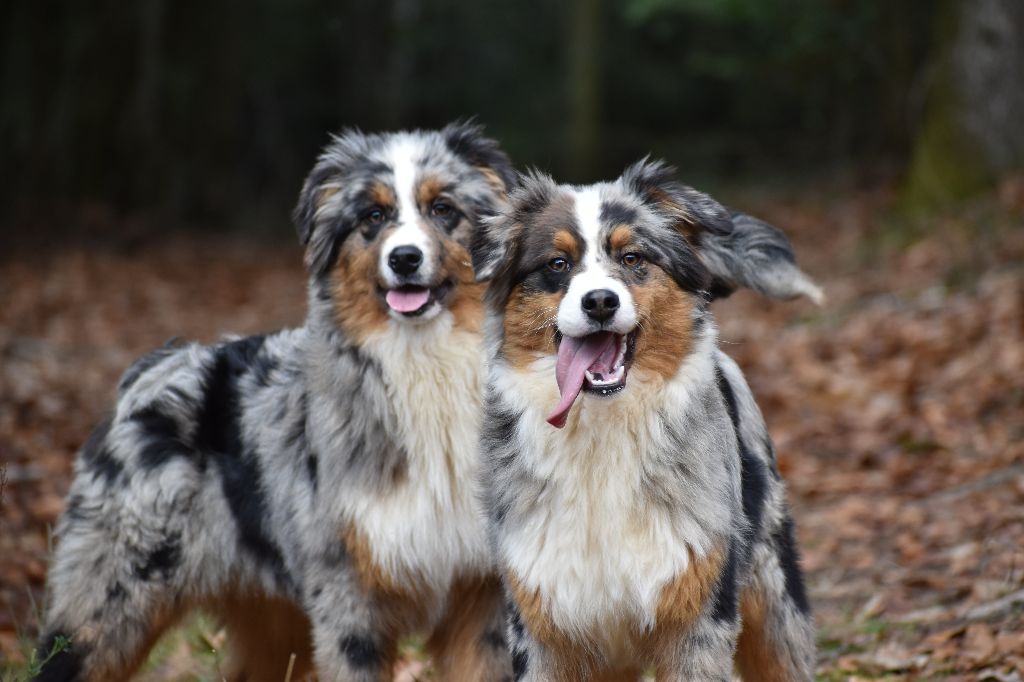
{"x":897,"y":410}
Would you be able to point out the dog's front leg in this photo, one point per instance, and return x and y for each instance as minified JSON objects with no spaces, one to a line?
{"x":353,"y":639}
{"x":470,"y":643}
{"x":704,"y":653}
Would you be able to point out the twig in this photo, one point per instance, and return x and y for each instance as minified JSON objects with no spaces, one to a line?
{"x":994,"y":479}
{"x":935,"y":614}
{"x":291,"y":666}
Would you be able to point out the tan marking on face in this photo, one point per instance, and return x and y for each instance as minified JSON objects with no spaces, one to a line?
{"x":565,"y":242}
{"x":466,"y":299}
{"x":529,"y":325}
{"x":357,"y":307}
{"x":756,"y":656}
{"x":382,"y":195}
{"x":620,"y":237}
{"x":459,"y":646}
{"x":429,"y":189}
{"x":665,"y":334}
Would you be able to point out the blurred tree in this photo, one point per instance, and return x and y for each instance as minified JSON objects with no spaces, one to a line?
{"x":209,"y":113}
{"x":972,"y":129}
{"x":585,"y":70}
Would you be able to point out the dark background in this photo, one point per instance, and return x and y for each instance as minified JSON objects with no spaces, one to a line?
{"x":151,"y":151}
{"x":210,"y":113}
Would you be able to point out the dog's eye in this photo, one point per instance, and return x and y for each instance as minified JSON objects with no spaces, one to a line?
{"x":441,"y":210}
{"x":558,"y":264}
{"x":375,"y":216}
{"x":631,"y":260}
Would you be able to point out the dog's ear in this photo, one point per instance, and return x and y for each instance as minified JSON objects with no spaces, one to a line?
{"x":756,"y":255}
{"x":737,"y":249}
{"x":495,"y":244}
{"x":466,"y":140}
{"x":316,"y":216}
{"x":692,"y":212}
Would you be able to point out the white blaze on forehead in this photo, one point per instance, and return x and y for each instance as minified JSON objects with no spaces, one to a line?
{"x":404,"y":156}
{"x":592,"y":273}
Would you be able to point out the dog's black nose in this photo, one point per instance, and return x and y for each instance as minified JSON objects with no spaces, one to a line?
{"x":405,"y":260}
{"x":600,"y":304}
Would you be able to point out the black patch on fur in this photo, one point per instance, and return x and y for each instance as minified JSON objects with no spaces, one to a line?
{"x":769,"y":448}
{"x":515,"y":619}
{"x":494,"y":638}
{"x":65,"y":666}
{"x":146,"y":363}
{"x":754,"y":478}
{"x":73,"y":512}
{"x":98,"y":458}
{"x":726,"y":593}
{"x":160,"y":437}
{"x":466,"y":140}
{"x":520,"y":662}
{"x":161,"y":561}
{"x":789,"y":559}
{"x":312,"y":467}
{"x":614,"y":213}
{"x":670,"y":251}
{"x":219,"y":434}
{"x":360,"y":652}
{"x":116,"y":592}
{"x":498,"y":432}
{"x":263,"y":366}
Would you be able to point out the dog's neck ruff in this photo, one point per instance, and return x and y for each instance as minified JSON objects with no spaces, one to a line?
{"x":426,"y":529}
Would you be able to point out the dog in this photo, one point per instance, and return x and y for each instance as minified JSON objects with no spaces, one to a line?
{"x":636,"y":510}
{"x":312,"y":488}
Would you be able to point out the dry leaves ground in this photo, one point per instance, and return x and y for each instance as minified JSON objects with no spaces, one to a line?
{"x":898,"y":411}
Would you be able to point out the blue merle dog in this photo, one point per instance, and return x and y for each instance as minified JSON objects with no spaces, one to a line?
{"x":637,"y":512}
{"x":313,"y":488}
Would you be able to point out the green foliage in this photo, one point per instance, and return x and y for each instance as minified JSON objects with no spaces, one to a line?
{"x":34,"y":664}
{"x":213,"y":112}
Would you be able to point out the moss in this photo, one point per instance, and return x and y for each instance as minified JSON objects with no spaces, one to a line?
{"x":946,"y":164}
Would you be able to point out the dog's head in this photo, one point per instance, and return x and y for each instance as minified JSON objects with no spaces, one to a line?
{"x":387,"y":221}
{"x":614,"y":278}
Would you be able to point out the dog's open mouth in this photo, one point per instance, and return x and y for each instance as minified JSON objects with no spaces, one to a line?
{"x":412,"y":301}
{"x":596,"y":363}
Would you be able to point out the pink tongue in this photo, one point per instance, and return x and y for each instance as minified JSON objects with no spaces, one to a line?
{"x":407,"y":301}
{"x":575,"y":357}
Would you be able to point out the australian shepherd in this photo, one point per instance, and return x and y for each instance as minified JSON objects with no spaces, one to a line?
{"x":313,"y":488}
{"x":635,"y":505}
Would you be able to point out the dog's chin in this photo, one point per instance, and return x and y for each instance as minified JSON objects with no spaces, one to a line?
{"x":414,"y":303}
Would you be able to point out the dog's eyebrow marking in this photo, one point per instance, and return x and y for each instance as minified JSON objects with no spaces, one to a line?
{"x":620,"y":237}
{"x":430,"y":188}
{"x":565,"y":241}
{"x":381,"y":194}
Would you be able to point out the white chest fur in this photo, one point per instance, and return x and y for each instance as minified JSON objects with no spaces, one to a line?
{"x":430,"y":527}
{"x":594,"y":545}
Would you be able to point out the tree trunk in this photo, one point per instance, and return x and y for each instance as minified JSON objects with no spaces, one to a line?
{"x":972,"y":130}
{"x":584,"y":88}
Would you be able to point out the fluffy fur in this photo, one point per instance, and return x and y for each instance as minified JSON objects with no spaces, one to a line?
{"x":652,"y":529}
{"x":314,"y":487}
